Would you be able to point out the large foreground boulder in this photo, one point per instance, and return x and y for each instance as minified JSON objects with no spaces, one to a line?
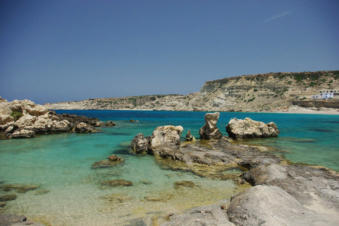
{"x":210,"y":129}
{"x":166,"y":136}
{"x":248,"y":128}
{"x":270,"y":205}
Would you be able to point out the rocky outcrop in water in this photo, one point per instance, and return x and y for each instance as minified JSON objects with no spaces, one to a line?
{"x":83,"y":127}
{"x":140,"y":144}
{"x":282,"y":193}
{"x":166,"y":136}
{"x":210,"y":129}
{"x":248,"y":128}
{"x":25,"y":119}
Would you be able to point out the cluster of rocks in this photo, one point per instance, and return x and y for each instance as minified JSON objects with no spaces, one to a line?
{"x":169,"y":136}
{"x":237,"y":128}
{"x":162,"y":137}
{"x":282,"y":193}
{"x":25,"y":119}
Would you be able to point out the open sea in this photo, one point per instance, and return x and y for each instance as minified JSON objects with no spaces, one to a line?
{"x":70,"y":192}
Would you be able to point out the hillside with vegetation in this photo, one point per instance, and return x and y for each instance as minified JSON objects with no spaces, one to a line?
{"x":270,"y":92}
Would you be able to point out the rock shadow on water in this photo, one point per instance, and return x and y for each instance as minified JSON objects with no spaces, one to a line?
{"x":122,"y":151}
{"x":120,"y":133}
{"x":298,"y":140}
{"x":321,"y":130}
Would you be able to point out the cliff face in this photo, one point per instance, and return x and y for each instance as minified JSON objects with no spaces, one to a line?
{"x":261,"y":92}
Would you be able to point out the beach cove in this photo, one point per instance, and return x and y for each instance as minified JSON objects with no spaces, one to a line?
{"x":71,"y":193}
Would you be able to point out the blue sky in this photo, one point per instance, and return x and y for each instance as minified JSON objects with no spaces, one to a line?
{"x":78,"y":49}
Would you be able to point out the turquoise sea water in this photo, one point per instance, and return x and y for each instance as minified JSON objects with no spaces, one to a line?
{"x":60,"y":164}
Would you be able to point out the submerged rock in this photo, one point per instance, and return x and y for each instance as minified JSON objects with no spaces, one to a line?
{"x":248,"y":128}
{"x":184,"y":183}
{"x":2,"y":204}
{"x":140,"y":144}
{"x":116,"y":183}
{"x":166,"y":136}
{"x":21,"y":188}
{"x":111,"y":161}
{"x":7,"y":197}
{"x":210,"y":129}
{"x":41,"y":192}
{"x":109,"y":124}
{"x":116,"y":198}
{"x":161,"y":197}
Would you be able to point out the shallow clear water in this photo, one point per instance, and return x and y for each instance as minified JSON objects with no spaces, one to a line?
{"x":61,"y":165}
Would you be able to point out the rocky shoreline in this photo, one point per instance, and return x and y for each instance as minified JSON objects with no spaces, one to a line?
{"x":25,"y":119}
{"x":282,"y":193}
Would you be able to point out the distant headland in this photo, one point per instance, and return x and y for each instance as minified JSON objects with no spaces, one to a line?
{"x":295,"y":92}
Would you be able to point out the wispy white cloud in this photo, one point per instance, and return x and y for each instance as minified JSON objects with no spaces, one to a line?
{"x":278,"y":16}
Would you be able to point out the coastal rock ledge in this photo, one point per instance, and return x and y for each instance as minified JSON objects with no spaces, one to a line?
{"x":25,"y":119}
{"x":278,"y":192}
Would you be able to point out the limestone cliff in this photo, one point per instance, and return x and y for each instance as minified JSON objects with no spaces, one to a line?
{"x":259,"y":93}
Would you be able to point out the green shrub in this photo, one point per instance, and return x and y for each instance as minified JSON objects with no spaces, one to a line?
{"x":252,"y":99}
{"x":16,"y":115}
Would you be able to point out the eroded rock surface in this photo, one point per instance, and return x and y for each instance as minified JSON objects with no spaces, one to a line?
{"x":140,"y":144}
{"x":315,"y":188}
{"x":211,"y":215}
{"x":271,"y":205}
{"x":166,"y":136}
{"x":248,"y":128}
{"x":210,"y":129}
